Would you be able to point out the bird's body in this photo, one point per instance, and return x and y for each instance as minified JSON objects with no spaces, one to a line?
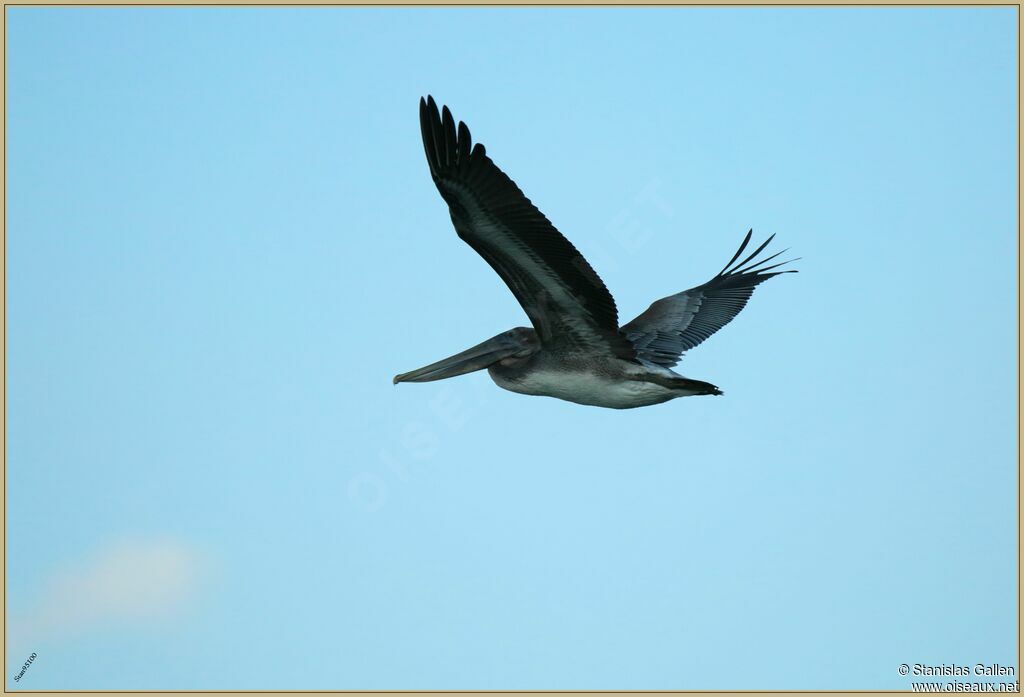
{"x":576,"y":350}
{"x":596,"y":380}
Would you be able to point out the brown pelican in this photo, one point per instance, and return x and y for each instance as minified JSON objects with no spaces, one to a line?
{"x":576,"y":349}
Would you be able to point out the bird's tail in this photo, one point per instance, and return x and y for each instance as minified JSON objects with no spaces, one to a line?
{"x":695,"y":387}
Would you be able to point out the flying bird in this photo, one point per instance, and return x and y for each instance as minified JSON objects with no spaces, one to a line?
{"x":575,"y":349}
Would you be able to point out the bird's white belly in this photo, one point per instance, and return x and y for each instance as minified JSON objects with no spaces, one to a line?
{"x":589,"y":388}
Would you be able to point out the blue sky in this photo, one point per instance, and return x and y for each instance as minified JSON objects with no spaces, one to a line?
{"x":223,"y":242}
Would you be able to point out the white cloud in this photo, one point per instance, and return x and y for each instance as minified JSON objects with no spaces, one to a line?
{"x":128,"y":582}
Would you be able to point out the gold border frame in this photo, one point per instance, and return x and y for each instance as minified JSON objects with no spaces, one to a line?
{"x":477,"y":3}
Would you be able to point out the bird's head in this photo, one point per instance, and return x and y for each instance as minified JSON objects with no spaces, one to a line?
{"x":515,"y":343}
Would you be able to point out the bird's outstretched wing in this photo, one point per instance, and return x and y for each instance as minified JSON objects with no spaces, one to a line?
{"x":679,"y":322}
{"x":566,"y":301}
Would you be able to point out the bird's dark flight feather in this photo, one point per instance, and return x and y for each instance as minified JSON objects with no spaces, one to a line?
{"x":680,"y":322}
{"x":565,"y":299}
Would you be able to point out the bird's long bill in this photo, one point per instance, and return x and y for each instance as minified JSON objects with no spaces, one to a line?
{"x":476,"y":358}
